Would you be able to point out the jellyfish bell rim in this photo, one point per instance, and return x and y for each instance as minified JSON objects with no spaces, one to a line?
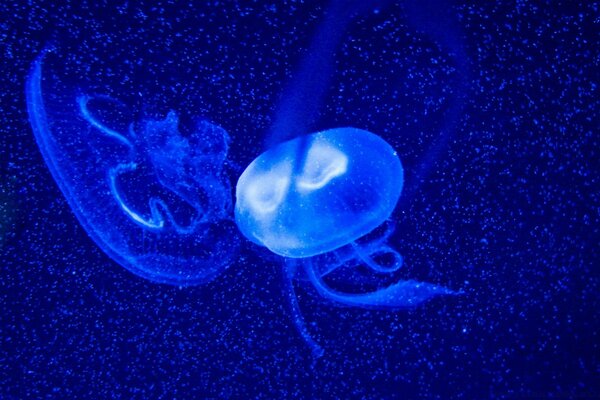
{"x":342,"y":137}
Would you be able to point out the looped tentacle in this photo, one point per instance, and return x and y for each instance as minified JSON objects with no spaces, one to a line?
{"x":367,"y":253}
{"x":401,"y":294}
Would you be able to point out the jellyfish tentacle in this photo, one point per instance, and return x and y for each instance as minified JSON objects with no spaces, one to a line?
{"x":155,"y":222}
{"x":85,"y":113}
{"x":297,"y":317}
{"x":402,"y":294}
{"x":365,"y":252}
{"x":366,"y":255}
{"x":157,"y":204}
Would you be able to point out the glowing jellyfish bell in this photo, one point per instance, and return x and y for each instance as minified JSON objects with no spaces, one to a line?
{"x":318,"y":193}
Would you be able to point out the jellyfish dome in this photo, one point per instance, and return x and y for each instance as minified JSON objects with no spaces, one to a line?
{"x":318,"y":192}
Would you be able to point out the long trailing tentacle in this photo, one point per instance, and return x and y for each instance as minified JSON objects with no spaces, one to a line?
{"x":290,"y":268}
{"x":402,"y":294}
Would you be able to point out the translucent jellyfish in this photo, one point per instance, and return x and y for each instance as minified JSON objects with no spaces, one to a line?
{"x":157,"y":202}
{"x":318,"y":193}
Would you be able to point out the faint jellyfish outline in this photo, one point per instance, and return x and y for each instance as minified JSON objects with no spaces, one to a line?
{"x":173,"y":234}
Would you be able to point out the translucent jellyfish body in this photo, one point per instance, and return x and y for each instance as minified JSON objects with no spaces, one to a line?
{"x":319,"y":193}
{"x":155,"y":201}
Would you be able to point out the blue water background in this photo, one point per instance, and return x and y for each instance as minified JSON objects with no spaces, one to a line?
{"x":498,"y":124}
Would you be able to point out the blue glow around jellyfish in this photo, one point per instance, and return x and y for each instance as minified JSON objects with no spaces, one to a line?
{"x":154,"y":200}
{"x":318,"y":193}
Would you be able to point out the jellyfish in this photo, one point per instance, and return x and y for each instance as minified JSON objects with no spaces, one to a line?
{"x":156,"y":201}
{"x":319,"y":193}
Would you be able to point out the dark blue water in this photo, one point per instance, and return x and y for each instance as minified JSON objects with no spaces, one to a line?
{"x":492,"y":110}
